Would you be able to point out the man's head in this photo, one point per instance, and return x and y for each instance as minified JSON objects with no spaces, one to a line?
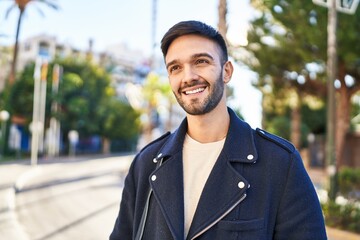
{"x":197,"y":28}
{"x":196,"y":61}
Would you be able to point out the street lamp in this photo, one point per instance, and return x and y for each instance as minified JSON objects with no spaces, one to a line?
{"x":4,"y":116}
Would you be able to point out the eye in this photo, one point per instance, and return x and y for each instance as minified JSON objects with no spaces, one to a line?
{"x":173,"y":68}
{"x":201,"y":61}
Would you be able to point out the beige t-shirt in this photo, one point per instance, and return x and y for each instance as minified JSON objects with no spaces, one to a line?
{"x":198,"y":161}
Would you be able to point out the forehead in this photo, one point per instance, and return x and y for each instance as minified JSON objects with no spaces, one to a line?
{"x":186,"y":46}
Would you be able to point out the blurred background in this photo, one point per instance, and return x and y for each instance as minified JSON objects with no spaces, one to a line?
{"x":83,"y":86}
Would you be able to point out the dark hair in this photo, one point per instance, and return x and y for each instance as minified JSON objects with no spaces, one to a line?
{"x":193,"y":27}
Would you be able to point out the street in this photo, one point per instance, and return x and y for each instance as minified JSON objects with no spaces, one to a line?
{"x":76,"y":200}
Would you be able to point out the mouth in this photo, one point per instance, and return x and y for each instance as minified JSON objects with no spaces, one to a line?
{"x":194,"y":91}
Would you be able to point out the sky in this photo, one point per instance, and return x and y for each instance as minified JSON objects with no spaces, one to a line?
{"x":110,"y":22}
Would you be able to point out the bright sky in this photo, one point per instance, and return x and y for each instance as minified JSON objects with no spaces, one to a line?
{"x":109,"y":22}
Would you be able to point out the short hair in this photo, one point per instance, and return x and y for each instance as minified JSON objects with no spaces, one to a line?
{"x":197,"y":28}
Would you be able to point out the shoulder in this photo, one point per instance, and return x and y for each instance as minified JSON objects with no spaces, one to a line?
{"x":143,"y":161}
{"x":279,"y":141}
{"x":155,"y":143}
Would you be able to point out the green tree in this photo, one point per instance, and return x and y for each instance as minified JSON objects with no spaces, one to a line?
{"x":19,"y":97}
{"x":83,"y":87}
{"x":287,"y":43}
{"x":120,"y":122}
{"x":22,"y":5}
{"x":89,"y":105}
{"x":280,"y":58}
{"x":87,"y":102}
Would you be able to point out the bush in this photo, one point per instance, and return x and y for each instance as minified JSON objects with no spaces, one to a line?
{"x":349,"y":183}
{"x":344,"y":213}
{"x":345,"y":217}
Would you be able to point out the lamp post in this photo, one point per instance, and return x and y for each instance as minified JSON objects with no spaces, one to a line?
{"x":37,"y":126}
{"x":331,"y":102}
{"x":4,"y":116}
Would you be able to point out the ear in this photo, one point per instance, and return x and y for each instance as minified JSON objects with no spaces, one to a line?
{"x":227,"y":71}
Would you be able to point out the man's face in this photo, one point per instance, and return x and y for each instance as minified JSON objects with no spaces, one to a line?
{"x":195,"y":72}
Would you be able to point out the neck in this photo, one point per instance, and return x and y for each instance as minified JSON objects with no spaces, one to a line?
{"x":210,"y":127}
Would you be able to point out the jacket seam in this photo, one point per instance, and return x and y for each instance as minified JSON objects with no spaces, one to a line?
{"x":291,"y":159}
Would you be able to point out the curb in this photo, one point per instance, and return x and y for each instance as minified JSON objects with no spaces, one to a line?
{"x":9,"y":224}
{"x":23,"y":178}
{"x":7,"y":199}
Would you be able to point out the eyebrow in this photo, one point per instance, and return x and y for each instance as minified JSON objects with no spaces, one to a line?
{"x":197,"y":55}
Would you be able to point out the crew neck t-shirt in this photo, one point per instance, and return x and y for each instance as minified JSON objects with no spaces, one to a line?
{"x":198,"y":161}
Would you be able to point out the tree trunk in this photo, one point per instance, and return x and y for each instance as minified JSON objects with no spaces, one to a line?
{"x":222,"y":24}
{"x":342,"y":116}
{"x":106,"y":142}
{"x":295,"y":133}
{"x":16,"y":48}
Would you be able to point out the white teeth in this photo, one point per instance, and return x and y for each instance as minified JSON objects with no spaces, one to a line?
{"x":195,"y":91}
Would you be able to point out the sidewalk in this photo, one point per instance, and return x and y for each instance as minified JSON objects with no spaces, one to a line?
{"x":13,"y":175}
{"x":9,"y":174}
{"x":336,"y":234}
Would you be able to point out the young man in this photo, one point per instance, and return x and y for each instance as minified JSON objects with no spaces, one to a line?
{"x":214,"y":177}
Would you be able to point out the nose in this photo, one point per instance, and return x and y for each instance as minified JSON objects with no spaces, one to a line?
{"x":189,"y":74}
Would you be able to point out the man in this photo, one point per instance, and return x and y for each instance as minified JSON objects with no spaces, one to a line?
{"x":214,"y":177}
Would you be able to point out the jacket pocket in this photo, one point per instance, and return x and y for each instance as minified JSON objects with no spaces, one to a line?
{"x":242,"y":225}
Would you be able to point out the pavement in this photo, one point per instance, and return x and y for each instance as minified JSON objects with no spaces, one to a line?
{"x":9,"y":174}
{"x":14,"y":174}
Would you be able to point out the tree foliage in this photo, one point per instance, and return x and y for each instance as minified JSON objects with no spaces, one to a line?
{"x":19,"y":97}
{"x":288,"y":50}
{"x":84,"y":88}
{"x":86,"y":99}
{"x":89,"y":103}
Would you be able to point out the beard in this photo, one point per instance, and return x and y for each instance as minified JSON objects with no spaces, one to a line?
{"x":200,"y":107}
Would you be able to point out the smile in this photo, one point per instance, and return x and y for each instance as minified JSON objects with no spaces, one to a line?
{"x":194,"y":91}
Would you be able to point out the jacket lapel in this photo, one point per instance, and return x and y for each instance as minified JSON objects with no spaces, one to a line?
{"x":167,"y":183}
{"x":168,"y":191}
{"x":222,"y":192}
{"x":225,"y":187}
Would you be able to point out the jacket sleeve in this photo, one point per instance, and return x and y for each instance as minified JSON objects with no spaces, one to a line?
{"x":300,"y":215}
{"x":123,"y":229}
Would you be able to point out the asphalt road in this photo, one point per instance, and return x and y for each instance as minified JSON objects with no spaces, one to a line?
{"x":71,"y":200}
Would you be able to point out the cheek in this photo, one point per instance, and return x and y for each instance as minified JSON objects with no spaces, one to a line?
{"x":174,"y":85}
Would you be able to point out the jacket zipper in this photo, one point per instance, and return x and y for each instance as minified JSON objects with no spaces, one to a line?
{"x":221,"y":217}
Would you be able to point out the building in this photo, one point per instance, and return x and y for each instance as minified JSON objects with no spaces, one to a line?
{"x":5,"y":60}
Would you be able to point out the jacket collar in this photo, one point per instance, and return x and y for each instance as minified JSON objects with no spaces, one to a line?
{"x":240,"y":136}
{"x":240,"y":145}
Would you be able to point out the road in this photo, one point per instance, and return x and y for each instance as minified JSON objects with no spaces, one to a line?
{"x":71,"y":200}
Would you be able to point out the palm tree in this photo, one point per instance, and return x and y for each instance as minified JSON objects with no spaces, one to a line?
{"x":22,"y":4}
